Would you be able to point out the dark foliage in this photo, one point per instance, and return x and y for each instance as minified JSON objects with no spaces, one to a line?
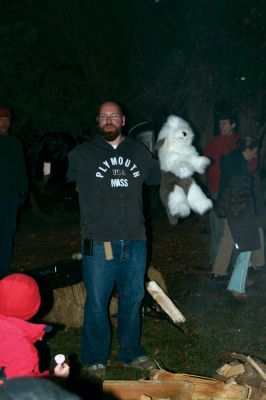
{"x":59,"y":59}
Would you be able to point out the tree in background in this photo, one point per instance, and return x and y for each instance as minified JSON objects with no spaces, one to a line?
{"x":60,"y":58}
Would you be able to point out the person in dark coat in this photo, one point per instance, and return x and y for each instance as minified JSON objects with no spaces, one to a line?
{"x":13,"y":184}
{"x":215,"y":149}
{"x":236,"y":202}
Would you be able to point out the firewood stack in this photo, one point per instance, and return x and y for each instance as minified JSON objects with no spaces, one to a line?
{"x":242,"y":379}
{"x":246,"y":371}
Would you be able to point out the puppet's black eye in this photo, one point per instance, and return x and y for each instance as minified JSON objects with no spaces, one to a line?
{"x":184,"y":133}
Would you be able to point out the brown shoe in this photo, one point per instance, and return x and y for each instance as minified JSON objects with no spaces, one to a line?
{"x":250,"y":282}
{"x":238,"y":295}
{"x":219,"y":278}
{"x":256,"y":269}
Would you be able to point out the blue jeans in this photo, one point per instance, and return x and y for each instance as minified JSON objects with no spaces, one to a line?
{"x":8,"y":223}
{"x":238,"y":279}
{"x":125,"y":272}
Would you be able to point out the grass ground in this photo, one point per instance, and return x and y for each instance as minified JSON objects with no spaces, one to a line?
{"x":216,"y":324}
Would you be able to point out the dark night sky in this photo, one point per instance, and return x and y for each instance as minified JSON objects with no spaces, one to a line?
{"x":60,"y":58}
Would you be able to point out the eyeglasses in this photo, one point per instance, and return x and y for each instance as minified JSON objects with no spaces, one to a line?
{"x":105,"y":117}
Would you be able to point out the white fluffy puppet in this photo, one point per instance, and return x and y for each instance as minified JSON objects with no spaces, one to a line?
{"x":178,"y":161}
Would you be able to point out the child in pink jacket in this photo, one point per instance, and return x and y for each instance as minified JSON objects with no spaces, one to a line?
{"x":19,"y":301}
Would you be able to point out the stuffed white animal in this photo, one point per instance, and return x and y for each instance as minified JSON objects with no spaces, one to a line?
{"x":178,"y":161}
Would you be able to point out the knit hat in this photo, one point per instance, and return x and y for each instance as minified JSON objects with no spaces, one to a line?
{"x":5,"y":113}
{"x":19,"y":296}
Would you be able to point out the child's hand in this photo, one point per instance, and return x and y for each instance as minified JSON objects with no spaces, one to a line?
{"x":62,"y":370}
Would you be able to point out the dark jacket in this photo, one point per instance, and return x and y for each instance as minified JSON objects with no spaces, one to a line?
{"x":236,"y":201}
{"x":218,"y":147}
{"x":110,"y":184}
{"x":13,"y":176}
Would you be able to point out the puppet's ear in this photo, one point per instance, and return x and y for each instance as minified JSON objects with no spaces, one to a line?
{"x":173,"y":121}
{"x":159,"y":144}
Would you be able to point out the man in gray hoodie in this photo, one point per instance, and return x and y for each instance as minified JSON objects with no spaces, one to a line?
{"x":110,"y":171}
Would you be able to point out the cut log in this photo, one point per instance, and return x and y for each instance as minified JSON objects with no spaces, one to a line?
{"x":135,"y":390}
{"x":229,"y":370}
{"x":68,"y":306}
{"x":165,"y":302}
{"x":177,"y":386}
{"x":207,"y":388}
{"x":155,"y":275}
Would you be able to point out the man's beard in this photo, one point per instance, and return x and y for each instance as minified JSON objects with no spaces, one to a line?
{"x":111,"y":135}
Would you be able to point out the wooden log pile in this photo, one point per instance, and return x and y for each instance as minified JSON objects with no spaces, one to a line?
{"x":247,"y":371}
{"x":169,"y":386}
{"x":241,"y":379}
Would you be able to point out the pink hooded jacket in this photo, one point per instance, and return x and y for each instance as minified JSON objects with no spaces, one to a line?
{"x":19,"y":301}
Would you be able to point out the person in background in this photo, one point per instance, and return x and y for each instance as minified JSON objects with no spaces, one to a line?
{"x":19,"y":301}
{"x":236,"y":203}
{"x":110,"y":171}
{"x":217,"y":147}
{"x":13,"y":184}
